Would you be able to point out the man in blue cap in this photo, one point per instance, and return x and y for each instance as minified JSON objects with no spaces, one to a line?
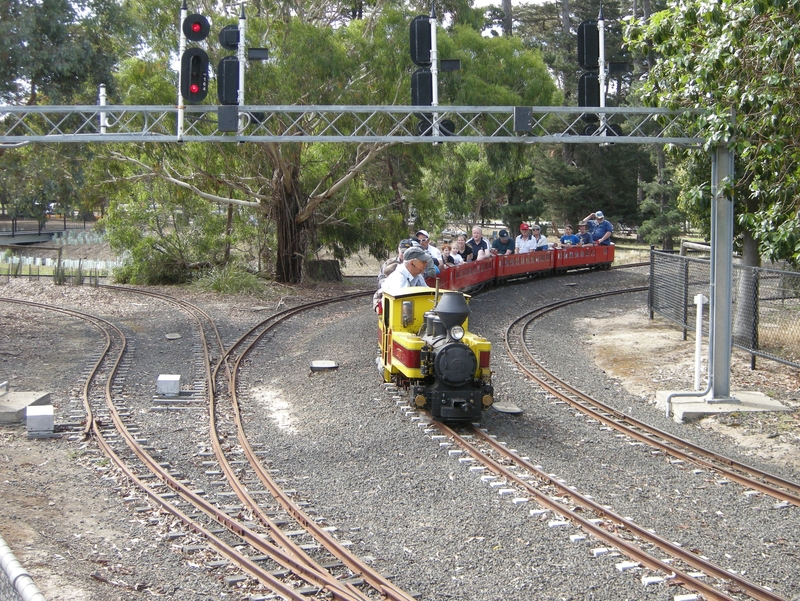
{"x":504,"y":245}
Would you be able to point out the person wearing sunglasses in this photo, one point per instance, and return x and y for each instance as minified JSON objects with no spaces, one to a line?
{"x":539,"y":241}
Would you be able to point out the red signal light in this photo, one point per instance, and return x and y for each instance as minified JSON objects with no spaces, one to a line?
{"x":194,"y":88}
{"x":196,"y":27}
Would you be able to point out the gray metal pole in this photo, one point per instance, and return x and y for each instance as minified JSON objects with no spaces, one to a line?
{"x":434,"y":70}
{"x":722,"y":256}
{"x":181,"y":50}
{"x":240,"y":55}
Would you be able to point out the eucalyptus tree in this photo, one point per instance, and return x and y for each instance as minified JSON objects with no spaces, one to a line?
{"x":334,"y":195}
{"x":56,"y":52}
{"x":478,"y":182}
{"x":568,"y":180}
{"x":59,"y":51}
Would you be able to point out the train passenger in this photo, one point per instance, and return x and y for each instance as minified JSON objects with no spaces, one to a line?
{"x":599,"y":228}
{"x":524,"y":243}
{"x":391,"y":264}
{"x":503,"y":245}
{"x":450,"y":257}
{"x":411,"y":272}
{"x":539,"y":241}
{"x":569,"y":239}
{"x":478,"y":245}
{"x":424,"y":241}
{"x":584,"y":237}
{"x":461,"y":248}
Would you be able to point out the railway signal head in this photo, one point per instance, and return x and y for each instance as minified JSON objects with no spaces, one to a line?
{"x":196,"y":28}
{"x":421,"y":42}
{"x":194,"y":75}
{"x":194,"y":62}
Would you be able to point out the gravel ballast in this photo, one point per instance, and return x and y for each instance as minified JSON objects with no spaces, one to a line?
{"x":369,"y":470}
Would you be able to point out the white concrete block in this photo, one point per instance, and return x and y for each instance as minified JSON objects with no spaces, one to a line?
{"x":557,"y":523}
{"x":168,"y":384}
{"x":39,"y":418}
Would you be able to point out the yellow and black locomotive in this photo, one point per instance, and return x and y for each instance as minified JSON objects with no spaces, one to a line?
{"x":427,"y":349}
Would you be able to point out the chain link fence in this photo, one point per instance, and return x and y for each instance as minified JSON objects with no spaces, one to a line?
{"x":765,"y":304}
{"x":7,"y":591}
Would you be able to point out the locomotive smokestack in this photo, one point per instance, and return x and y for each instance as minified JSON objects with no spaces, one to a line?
{"x":452,"y":309}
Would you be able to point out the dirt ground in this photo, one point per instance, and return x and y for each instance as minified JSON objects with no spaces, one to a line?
{"x":670,"y":366}
{"x":44,"y":486}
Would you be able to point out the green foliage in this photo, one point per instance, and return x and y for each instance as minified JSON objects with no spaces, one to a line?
{"x":735,"y":59}
{"x":229,"y":279}
{"x":496,"y":71}
{"x":57,"y":52}
{"x":471,"y":182}
{"x":35,"y":176}
{"x":165,"y":232}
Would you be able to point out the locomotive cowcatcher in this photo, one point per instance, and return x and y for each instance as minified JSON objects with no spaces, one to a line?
{"x":427,"y":349}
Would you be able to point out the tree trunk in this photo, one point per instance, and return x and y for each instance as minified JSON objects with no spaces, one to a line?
{"x":292,"y":239}
{"x":291,"y":242}
{"x":228,"y":229}
{"x":327,"y":270}
{"x":508,"y":18}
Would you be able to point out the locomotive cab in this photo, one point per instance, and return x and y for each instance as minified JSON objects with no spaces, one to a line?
{"x":426,"y":347}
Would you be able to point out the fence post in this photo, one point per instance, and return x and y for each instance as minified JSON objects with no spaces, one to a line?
{"x":699,"y":300}
{"x":652,"y":276}
{"x":685,"y":299}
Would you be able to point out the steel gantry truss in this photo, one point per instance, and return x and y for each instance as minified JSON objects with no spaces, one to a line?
{"x":409,"y":125}
{"x":360,"y":124}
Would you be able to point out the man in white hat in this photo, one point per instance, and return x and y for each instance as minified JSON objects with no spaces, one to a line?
{"x":599,"y":228}
{"x":424,"y":241}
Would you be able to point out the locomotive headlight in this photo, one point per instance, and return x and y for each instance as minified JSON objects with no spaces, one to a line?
{"x":456,"y":332}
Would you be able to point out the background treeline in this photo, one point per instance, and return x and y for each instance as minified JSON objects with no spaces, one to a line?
{"x":269,"y":207}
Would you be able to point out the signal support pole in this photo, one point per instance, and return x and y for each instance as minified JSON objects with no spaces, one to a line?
{"x":240,"y":55}
{"x":102,"y":99}
{"x":434,"y":71}
{"x":181,"y":50}
{"x":601,"y":73}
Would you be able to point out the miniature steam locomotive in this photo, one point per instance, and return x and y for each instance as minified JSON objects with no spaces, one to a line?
{"x":427,"y":349}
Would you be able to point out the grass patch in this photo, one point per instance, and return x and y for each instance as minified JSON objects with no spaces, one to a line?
{"x":229,"y":279}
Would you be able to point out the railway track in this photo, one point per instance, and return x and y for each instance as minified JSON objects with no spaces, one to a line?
{"x":225,"y":405}
{"x":516,"y":477}
{"x":259,"y":541}
{"x":681,"y":449}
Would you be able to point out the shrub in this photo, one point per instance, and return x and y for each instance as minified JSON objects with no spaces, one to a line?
{"x":229,"y":279}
